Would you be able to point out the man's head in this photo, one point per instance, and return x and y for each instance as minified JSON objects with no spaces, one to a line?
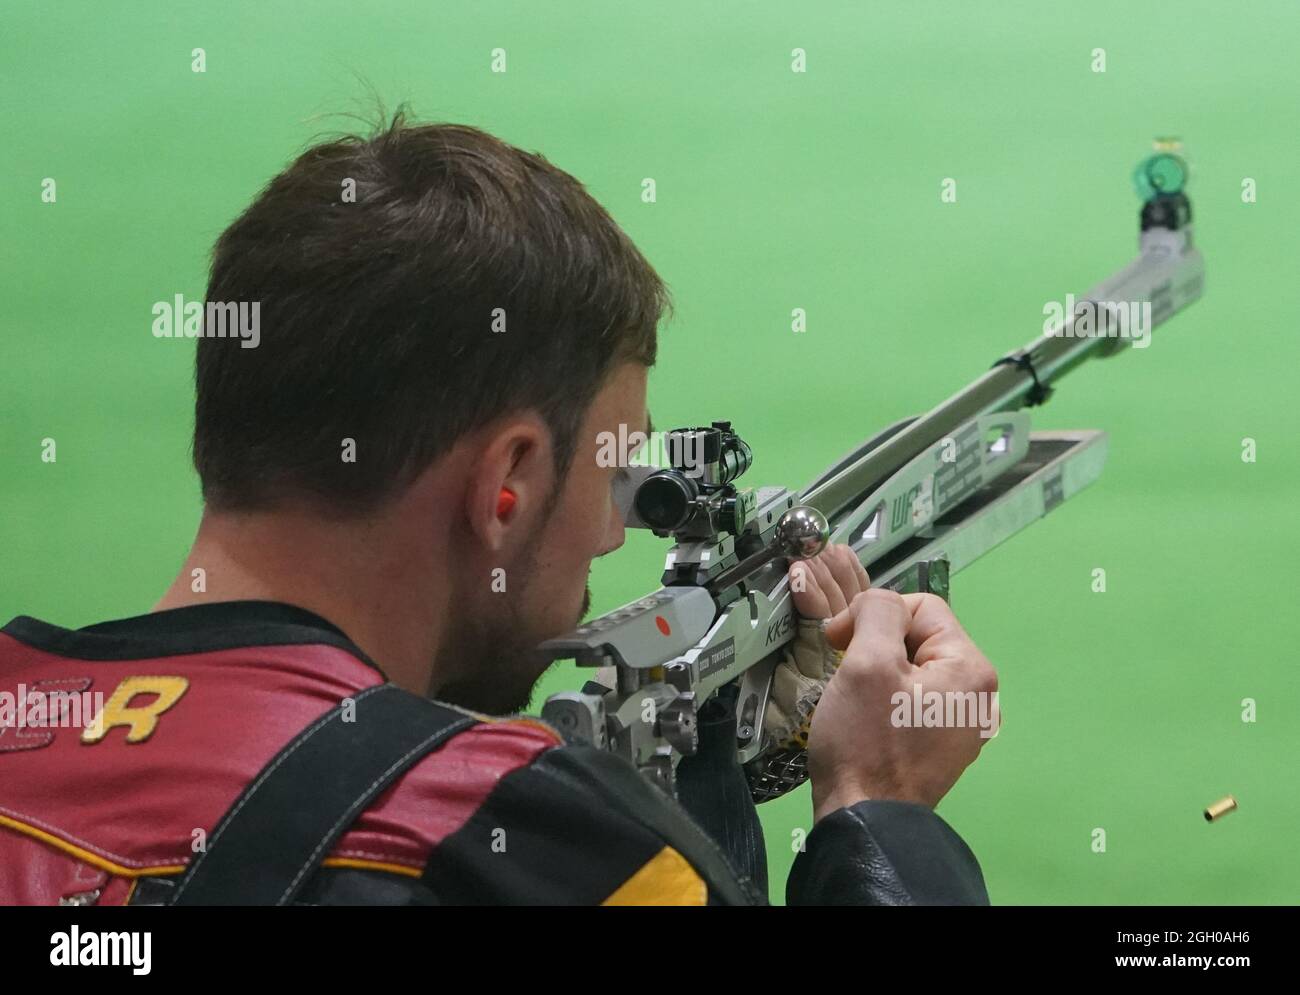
{"x":442,"y":316}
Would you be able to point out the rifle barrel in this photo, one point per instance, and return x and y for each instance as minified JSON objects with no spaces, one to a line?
{"x":1167,"y":275}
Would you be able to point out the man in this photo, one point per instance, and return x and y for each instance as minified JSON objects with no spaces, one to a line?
{"x":400,"y":486}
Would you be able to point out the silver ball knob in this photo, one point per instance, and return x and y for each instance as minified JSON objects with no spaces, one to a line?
{"x":802,"y":532}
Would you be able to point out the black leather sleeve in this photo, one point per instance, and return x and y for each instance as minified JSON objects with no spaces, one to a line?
{"x":885,"y":853}
{"x":714,"y":791}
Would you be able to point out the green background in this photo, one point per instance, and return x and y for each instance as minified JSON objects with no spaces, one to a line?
{"x":776,"y":190}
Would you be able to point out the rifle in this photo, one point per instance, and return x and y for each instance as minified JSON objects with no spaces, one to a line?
{"x":917,"y":502}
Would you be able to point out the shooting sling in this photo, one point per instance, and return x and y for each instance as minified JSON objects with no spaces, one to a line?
{"x":287,"y":820}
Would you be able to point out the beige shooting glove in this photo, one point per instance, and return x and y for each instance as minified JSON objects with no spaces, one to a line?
{"x":797,"y":684}
{"x":828,"y":582}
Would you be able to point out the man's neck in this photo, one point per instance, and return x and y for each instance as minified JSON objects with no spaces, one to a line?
{"x":357,"y":575}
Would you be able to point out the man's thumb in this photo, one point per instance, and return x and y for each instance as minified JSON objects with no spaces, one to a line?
{"x":839,"y":629}
{"x":875,"y":617}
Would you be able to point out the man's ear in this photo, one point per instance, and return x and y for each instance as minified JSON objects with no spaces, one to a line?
{"x":515,"y":457}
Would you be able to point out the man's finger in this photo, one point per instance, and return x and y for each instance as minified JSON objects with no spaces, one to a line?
{"x":874,"y":627}
{"x":864,"y":579}
{"x":809,"y":599}
{"x":837,"y":600}
{"x":935,"y":631}
{"x":840,"y":560}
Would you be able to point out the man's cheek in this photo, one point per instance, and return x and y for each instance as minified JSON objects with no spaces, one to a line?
{"x":586,"y":531}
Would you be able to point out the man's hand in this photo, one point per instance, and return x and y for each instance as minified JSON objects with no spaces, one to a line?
{"x":895,"y":644}
{"x":820,"y":587}
{"x":825,"y":585}
{"x":891,"y":645}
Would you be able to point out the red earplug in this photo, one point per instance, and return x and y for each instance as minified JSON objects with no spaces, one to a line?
{"x":505,"y":501}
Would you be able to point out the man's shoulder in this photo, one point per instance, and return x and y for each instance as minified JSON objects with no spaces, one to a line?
{"x":580,"y":824}
{"x":504,"y":810}
{"x":503,"y":770}
{"x":444,"y":790}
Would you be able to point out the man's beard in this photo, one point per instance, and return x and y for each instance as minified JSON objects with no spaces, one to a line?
{"x":495,"y":662}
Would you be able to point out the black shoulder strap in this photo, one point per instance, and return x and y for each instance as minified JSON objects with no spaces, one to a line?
{"x":287,"y":820}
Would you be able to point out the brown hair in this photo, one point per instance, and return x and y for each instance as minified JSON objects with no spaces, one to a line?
{"x":377,"y":314}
